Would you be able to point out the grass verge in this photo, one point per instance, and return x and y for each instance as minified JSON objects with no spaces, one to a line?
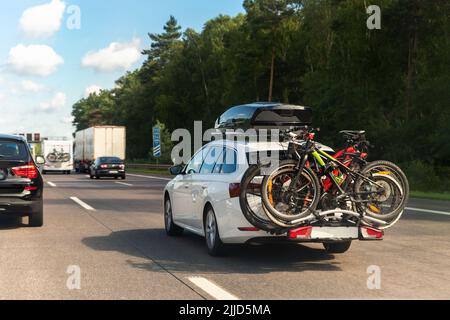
{"x":430,"y":195}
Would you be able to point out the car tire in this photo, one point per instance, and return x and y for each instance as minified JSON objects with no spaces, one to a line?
{"x":172,"y":230}
{"x":124,"y":177}
{"x":214,"y":244}
{"x":36,"y":220}
{"x":337,"y":247}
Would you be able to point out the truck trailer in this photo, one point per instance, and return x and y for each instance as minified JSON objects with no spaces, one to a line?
{"x":98,"y":141}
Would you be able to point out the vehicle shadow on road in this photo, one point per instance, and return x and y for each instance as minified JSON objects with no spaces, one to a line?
{"x":10,"y":223}
{"x":188,"y":254}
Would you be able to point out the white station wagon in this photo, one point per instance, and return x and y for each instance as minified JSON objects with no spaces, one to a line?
{"x":203,"y":198}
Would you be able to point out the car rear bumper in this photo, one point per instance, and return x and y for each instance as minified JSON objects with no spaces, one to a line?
{"x":110,"y":173}
{"x":20,"y":207}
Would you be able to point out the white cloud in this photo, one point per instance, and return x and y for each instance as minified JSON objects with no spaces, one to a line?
{"x":57,"y":102}
{"x":94,"y":89}
{"x":30,"y":86}
{"x":117,"y":56}
{"x":43,"y":20}
{"x":38,"y":60}
{"x":67,"y":120}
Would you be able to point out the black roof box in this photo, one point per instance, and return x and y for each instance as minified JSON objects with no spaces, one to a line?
{"x":265,"y":115}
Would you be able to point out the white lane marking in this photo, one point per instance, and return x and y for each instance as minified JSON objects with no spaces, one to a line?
{"x":429,"y":211}
{"x":148,"y":177}
{"x":125,"y":184}
{"x":81,"y":203}
{"x":51,"y":184}
{"x":212,"y":289}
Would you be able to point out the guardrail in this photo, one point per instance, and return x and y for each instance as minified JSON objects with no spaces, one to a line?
{"x":147,"y":166}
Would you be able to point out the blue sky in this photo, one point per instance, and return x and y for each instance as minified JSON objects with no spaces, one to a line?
{"x":45,"y":67}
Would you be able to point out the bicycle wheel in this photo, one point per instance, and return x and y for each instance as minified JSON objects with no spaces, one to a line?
{"x":51,"y":157}
{"x":386,"y":196}
{"x":251,"y":202}
{"x":285,"y":206}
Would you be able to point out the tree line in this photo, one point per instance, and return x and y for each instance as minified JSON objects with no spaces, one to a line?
{"x":393,"y":82}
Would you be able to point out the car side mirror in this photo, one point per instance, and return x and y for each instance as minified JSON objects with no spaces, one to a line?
{"x":176,"y":170}
{"x":40,"y":160}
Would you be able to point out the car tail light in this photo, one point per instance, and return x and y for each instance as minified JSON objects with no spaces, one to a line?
{"x":303,"y":233}
{"x":122,"y":166}
{"x":104,"y":166}
{"x":28,"y":171}
{"x":248,"y":229}
{"x":235,"y":190}
{"x":371,"y":234}
{"x":31,"y":188}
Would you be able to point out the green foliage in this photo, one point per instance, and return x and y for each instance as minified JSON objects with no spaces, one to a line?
{"x":426,"y":178}
{"x":393,"y":82}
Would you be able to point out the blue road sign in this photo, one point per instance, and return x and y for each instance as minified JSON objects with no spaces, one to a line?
{"x":157,"y":142}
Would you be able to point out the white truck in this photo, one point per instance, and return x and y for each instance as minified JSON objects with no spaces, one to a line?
{"x":98,"y":141}
{"x":58,"y":155}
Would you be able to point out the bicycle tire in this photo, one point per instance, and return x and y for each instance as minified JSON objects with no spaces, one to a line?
{"x":315,"y":185}
{"x":254,"y":219}
{"x":394,"y":172}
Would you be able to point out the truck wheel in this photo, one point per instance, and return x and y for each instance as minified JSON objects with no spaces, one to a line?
{"x":337,"y":247}
{"x":36,"y":220}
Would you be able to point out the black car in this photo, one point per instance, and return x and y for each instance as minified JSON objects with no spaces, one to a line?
{"x":108,"y":167}
{"x":21,"y":183}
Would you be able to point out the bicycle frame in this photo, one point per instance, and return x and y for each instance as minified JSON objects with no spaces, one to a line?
{"x":317,"y":155}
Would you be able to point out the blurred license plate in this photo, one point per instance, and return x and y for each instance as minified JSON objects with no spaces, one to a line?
{"x":114,"y":172}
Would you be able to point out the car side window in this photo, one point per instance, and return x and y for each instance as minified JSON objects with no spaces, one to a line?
{"x":195,"y":164}
{"x":227,"y":163}
{"x":211,"y":160}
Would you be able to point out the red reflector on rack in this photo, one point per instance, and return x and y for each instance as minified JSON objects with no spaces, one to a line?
{"x":370,"y":233}
{"x":303,"y":233}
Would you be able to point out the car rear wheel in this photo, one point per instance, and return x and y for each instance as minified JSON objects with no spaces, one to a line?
{"x":213,"y":242}
{"x":337,"y":247}
{"x":172,"y":229}
{"x":36,"y":220}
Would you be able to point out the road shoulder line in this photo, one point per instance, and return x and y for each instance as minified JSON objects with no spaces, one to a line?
{"x":443,"y":213}
{"x":148,"y":177}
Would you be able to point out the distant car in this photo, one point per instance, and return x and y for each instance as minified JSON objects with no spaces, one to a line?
{"x":112,"y":167}
{"x":21,"y":183}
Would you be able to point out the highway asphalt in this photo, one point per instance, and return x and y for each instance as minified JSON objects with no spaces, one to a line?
{"x":112,"y":232}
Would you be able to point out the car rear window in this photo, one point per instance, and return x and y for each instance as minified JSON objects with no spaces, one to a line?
{"x":110,"y":160}
{"x":13,"y":150}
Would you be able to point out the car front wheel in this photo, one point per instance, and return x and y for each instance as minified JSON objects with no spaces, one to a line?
{"x":172,"y":229}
